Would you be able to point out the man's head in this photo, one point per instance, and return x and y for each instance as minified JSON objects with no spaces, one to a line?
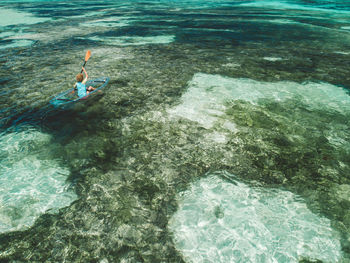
{"x":80,"y":77}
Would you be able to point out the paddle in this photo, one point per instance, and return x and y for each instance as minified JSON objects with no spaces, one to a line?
{"x":87,"y":56}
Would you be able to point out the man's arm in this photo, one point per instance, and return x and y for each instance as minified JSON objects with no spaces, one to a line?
{"x":86,"y":76}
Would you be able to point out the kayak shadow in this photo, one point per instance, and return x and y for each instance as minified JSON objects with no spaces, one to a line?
{"x":50,"y":118}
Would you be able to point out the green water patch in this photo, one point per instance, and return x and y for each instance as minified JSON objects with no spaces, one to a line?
{"x":16,"y":43}
{"x":12,"y":17}
{"x":13,"y":23}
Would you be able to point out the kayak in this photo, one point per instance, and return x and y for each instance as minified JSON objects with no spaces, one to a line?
{"x":71,"y":96}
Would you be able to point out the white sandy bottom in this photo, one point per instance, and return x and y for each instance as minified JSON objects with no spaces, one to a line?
{"x":218,"y":221}
{"x":30,"y":184}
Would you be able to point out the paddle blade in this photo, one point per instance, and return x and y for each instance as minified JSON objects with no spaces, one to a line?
{"x":87,"y":55}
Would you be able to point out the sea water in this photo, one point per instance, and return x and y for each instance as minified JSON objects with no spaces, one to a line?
{"x":31,"y":183}
{"x":220,"y":221}
{"x":223,"y":135}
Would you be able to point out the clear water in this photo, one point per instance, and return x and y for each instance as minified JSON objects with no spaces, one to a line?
{"x":208,"y":96}
{"x":31,"y":184}
{"x":221,"y":221}
{"x":258,"y":89}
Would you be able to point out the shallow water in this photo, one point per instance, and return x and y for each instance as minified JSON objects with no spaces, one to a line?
{"x":199,"y":91}
{"x":232,"y":222}
{"x":31,"y":183}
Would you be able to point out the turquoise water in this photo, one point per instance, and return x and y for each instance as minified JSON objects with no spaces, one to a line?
{"x":31,"y":183}
{"x":223,"y":134}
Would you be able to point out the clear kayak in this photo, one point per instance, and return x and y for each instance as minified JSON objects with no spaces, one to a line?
{"x":70,"y":96}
